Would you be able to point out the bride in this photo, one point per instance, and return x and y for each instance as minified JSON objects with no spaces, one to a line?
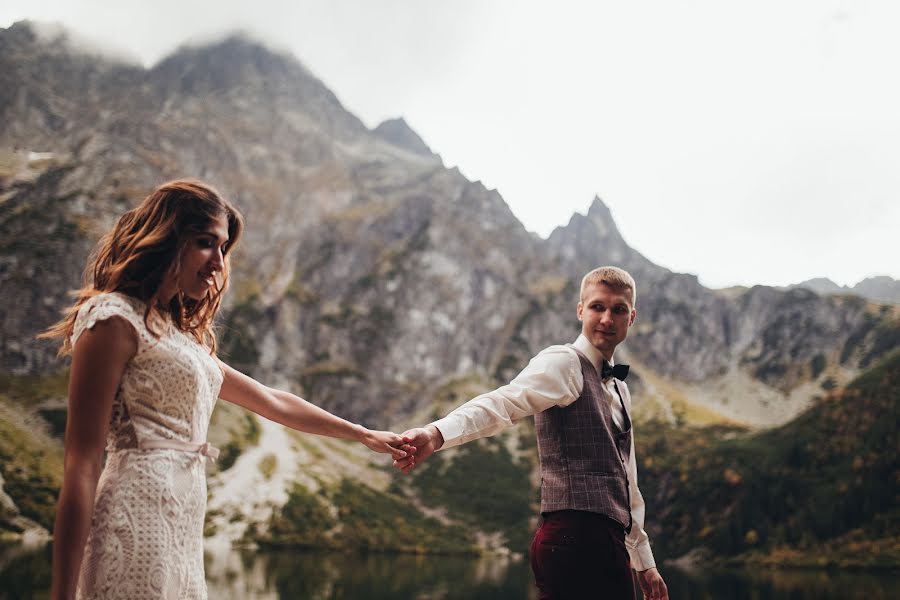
{"x":144,"y":379}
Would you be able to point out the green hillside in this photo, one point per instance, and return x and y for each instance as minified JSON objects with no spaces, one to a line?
{"x":821,"y":490}
{"x":30,"y":453}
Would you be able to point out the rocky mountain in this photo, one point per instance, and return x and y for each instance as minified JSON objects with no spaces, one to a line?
{"x":882,"y":288}
{"x":879,"y":289}
{"x":372,"y":280}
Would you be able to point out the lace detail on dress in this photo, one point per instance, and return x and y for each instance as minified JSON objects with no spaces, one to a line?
{"x":102,"y":307}
{"x":146,"y":538}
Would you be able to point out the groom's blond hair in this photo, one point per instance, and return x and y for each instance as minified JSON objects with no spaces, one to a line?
{"x":616,"y":278}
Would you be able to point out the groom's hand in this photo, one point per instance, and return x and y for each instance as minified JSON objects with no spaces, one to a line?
{"x":652,"y":585}
{"x":425,"y":440}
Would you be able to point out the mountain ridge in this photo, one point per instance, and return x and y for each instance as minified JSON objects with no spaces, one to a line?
{"x":880,"y":288}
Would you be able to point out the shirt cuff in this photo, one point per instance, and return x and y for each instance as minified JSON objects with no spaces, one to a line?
{"x":451,"y":430}
{"x":641,"y":557}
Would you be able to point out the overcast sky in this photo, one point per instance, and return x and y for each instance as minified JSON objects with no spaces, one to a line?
{"x":745,"y":142}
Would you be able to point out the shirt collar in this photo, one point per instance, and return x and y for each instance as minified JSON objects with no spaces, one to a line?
{"x":585,"y":347}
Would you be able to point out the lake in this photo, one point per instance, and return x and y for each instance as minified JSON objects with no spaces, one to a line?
{"x":25,"y":574}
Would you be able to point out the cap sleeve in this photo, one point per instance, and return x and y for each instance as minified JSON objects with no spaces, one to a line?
{"x":102,"y":307}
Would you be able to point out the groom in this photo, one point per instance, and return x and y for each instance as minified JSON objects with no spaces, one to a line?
{"x":591,"y":534}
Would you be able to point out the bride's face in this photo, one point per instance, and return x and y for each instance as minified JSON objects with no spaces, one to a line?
{"x":203,"y":259}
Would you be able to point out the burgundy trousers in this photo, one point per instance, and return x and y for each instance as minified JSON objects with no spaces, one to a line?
{"x":578,"y":555}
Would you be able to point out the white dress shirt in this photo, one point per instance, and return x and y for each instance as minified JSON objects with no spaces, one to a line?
{"x":552,"y":378}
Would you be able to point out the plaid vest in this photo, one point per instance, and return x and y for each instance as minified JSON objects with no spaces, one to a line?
{"x":583,"y":453}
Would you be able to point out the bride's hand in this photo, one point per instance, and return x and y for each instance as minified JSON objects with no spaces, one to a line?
{"x":387,"y":442}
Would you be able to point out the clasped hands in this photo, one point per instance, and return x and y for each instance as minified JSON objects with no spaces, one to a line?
{"x":408,"y":449}
{"x":419,"y":444}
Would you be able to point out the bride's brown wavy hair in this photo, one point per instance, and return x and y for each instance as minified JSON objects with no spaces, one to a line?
{"x":144,"y":250}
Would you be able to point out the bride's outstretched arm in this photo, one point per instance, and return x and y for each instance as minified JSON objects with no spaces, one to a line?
{"x":295,"y":412}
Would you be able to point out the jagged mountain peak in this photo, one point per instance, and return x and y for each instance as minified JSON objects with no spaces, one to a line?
{"x":235,"y":59}
{"x":398,"y":132}
{"x":237,"y":48}
{"x":258,"y":77}
{"x":598,"y":223}
{"x":599,"y":210}
{"x":592,"y":239}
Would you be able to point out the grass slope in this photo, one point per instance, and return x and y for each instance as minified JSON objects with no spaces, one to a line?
{"x":821,"y":490}
{"x":30,"y":457}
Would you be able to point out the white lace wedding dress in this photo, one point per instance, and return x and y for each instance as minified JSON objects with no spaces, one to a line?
{"x":146,"y":538}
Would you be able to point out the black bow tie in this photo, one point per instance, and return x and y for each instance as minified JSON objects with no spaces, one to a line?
{"x":620,"y":372}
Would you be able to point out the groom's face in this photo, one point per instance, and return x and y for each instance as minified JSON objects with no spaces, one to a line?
{"x":605,"y":314}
